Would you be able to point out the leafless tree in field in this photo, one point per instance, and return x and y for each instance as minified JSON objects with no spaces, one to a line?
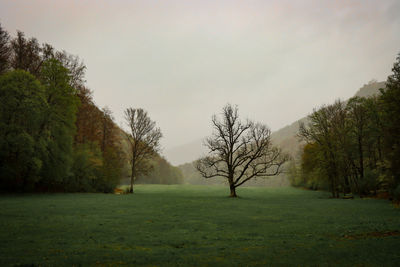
{"x":144,"y":141}
{"x":239,"y":151}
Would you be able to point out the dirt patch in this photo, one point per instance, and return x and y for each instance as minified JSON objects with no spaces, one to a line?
{"x":118,"y":191}
{"x":371,"y":235}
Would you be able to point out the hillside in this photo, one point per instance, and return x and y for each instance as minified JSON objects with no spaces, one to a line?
{"x":285,"y":138}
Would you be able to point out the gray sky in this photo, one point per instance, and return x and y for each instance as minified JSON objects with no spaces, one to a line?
{"x":183,"y":61}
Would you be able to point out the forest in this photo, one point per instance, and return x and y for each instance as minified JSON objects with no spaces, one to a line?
{"x":353,"y":147}
{"x":53,"y":137}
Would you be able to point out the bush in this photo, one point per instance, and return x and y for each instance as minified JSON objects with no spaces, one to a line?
{"x":86,"y":166}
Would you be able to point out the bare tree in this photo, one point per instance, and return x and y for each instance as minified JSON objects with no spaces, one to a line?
{"x":107,"y":128}
{"x":144,"y":141}
{"x":75,"y":66}
{"x":239,"y":151}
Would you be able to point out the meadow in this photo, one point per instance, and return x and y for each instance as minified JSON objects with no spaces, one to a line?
{"x":182,"y":225}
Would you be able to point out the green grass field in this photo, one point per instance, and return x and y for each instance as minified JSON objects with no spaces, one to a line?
{"x":198,"y":225}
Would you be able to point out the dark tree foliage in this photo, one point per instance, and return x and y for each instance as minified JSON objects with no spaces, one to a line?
{"x":161,"y":173}
{"x":22,"y":110}
{"x":58,"y":126}
{"x":69,"y":144}
{"x":239,"y":151}
{"x":356,"y":147}
{"x":29,"y":55}
{"x":5,"y":51}
{"x":341,"y":139}
{"x":98,"y":139}
{"x":391,"y":118}
{"x":26,"y":54}
{"x":88,"y":118}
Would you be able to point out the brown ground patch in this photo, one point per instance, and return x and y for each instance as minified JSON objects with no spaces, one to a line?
{"x":118,"y":191}
{"x":372,"y":235}
{"x":382,"y":195}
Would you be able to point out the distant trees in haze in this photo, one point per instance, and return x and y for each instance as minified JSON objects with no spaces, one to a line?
{"x":239,"y":151}
{"x":354,"y":147}
{"x":161,"y":173}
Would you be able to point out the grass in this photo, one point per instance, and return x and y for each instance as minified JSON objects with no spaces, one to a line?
{"x":198,"y":226}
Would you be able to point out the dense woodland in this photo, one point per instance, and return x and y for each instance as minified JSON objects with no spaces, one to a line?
{"x":353,"y":147}
{"x":53,"y":137}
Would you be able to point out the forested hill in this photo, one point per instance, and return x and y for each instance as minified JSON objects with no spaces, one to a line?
{"x":372,"y":88}
{"x":286,"y":137}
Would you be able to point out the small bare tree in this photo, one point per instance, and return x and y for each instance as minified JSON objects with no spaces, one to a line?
{"x":239,"y":151}
{"x":144,"y":141}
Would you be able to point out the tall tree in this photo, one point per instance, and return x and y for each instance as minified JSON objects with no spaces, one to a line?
{"x":357,"y":114}
{"x":239,"y":151}
{"x":5,"y":50}
{"x":22,"y":108}
{"x":75,"y":66}
{"x":391,"y":116}
{"x":144,"y":141}
{"x":26,"y":54}
{"x":374,"y":131}
{"x":107,"y":129}
{"x":58,"y":125}
{"x":326,"y":128}
{"x":89,"y":118}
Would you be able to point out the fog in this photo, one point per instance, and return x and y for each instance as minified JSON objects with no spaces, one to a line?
{"x":183,"y":61}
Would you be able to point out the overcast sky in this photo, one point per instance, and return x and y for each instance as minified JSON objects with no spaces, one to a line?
{"x":183,"y":61}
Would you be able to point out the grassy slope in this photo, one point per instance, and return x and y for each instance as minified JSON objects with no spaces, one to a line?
{"x":197,"y":225}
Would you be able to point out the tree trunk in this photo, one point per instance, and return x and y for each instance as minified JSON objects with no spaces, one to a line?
{"x":132,"y":176}
{"x":333,"y":189}
{"x":131,"y":187}
{"x":347,"y":185}
{"x":133,"y":173}
{"x":361,"y":158}
{"x":233,"y":191}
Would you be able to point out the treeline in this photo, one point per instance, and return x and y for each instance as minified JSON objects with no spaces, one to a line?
{"x":353,"y":147}
{"x":52,"y":135}
{"x":161,"y":173}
